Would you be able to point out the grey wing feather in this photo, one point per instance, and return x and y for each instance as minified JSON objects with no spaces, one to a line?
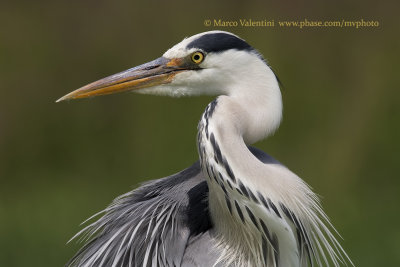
{"x":162,"y":223}
{"x":150,"y":225}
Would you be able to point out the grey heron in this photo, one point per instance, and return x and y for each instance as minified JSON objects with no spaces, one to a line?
{"x":236,"y":206}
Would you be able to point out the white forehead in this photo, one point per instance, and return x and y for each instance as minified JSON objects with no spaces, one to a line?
{"x":180,"y":50}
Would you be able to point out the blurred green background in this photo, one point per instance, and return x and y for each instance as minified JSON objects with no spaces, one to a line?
{"x":61,"y":163}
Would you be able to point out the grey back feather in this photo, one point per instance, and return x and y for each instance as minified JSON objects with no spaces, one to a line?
{"x":162,"y":223}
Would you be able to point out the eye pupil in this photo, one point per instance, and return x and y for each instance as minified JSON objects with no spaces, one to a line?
{"x":196,"y":57}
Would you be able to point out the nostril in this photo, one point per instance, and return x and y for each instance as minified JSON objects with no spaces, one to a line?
{"x":151,"y":67}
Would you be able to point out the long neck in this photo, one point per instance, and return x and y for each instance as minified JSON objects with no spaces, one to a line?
{"x":224,"y":132}
{"x":232,"y":122}
{"x":227,"y":126}
{"x":244,"y":116}
{"x":263,"y":214}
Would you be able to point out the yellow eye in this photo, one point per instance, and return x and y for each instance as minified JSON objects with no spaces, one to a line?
{"x":197,"y":57}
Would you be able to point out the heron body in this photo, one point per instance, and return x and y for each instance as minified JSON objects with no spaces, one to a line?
{"x":237,"y":206}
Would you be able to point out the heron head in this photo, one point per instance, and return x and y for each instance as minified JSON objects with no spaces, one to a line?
{"x":211,"y":63}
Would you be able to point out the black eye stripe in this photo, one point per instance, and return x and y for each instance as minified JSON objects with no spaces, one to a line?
{"x":219,"y":42}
